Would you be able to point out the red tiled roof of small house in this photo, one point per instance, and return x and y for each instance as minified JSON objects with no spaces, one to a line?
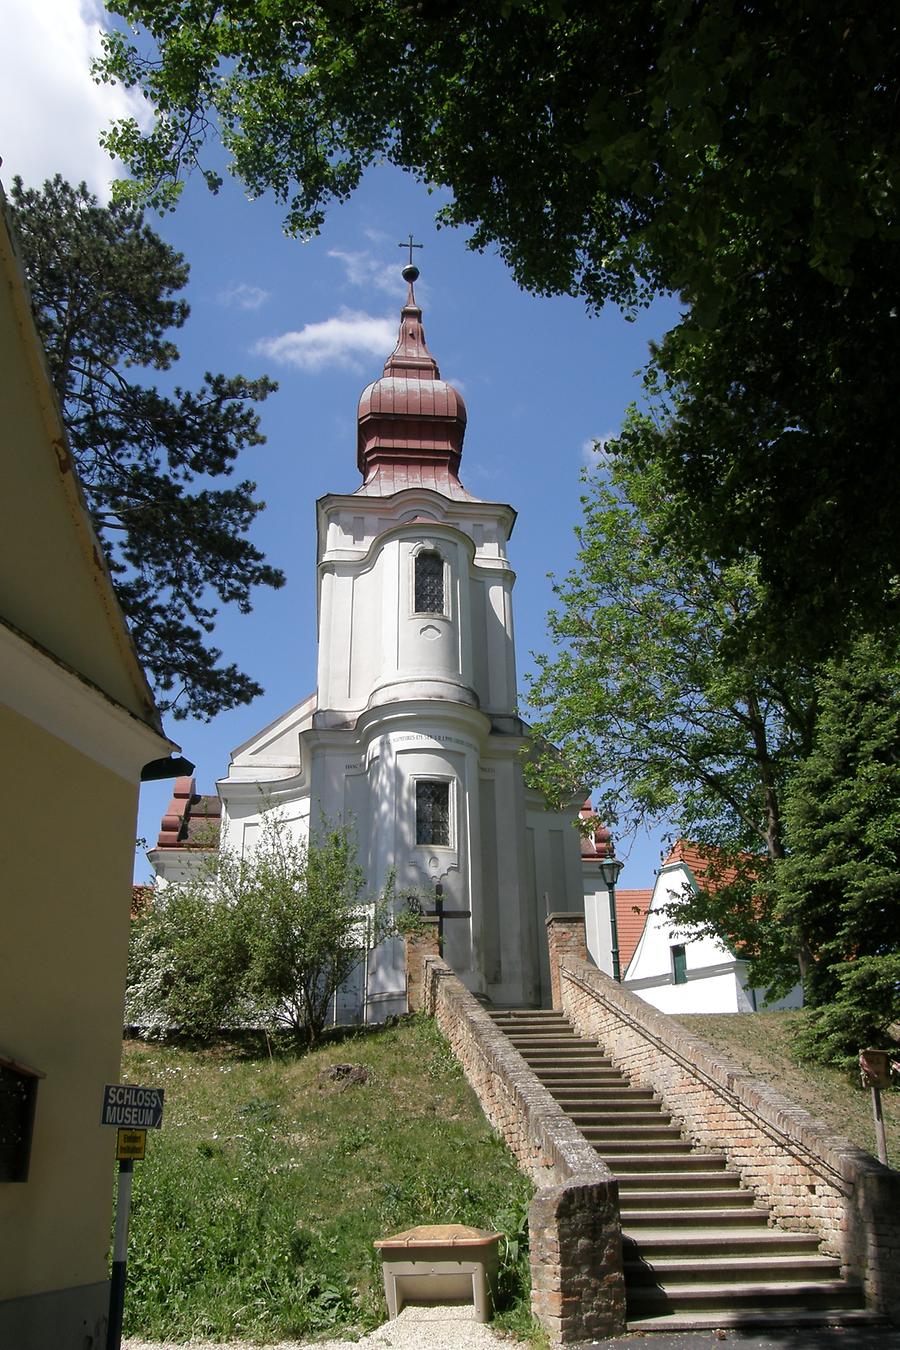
{"x":709,"y":866}
{"x":631,"y":915}
{"x":192,"y":820}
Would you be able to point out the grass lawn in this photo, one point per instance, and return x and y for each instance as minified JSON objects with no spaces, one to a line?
{"x":256,"y":1209}
{"x":763,"y":1043}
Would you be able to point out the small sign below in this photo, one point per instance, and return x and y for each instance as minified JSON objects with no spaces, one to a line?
{"x":131,"y":1107}
{"x":875,"y":1068}
{"x":131,"y":1144}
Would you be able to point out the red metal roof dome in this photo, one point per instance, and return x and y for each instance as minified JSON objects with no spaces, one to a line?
{"x":411,"y":422}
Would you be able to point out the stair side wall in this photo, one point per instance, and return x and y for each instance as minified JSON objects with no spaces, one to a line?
{"x":577,"y":1282}
{"x":813,"y":1180}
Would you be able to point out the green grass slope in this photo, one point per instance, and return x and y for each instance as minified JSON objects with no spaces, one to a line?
{"x":256,"y":1209}
{"x":763,"y":1044}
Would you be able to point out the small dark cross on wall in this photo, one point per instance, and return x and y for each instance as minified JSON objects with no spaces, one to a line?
{"x":438,"y":911}
{"x":410,"y":245}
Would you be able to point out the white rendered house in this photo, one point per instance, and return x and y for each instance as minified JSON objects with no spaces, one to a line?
{"x":412,"y":731}
{"x":683,"y":973}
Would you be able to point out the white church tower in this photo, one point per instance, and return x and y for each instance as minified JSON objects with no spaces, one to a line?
{"x":412,"y":732}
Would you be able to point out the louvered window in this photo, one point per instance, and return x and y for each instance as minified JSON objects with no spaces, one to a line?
{"x":429,"y":583}
{"x":679,"y":965}
{"x":433,"y":813}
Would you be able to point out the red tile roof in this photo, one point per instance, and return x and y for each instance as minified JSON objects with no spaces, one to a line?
{"x":191,"y":820}
{"x":707,"y":864}
{"x":631,"y":915}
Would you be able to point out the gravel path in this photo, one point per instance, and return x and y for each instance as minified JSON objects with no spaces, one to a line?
{"x":416,"y":1328}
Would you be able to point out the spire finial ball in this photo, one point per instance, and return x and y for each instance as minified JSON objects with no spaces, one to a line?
{"x":410,"y":273}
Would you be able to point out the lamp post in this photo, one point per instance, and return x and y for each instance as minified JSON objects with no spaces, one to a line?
{"x":609,"y":870}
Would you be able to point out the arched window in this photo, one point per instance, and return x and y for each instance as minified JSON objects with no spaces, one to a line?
{"x":429,"y":598}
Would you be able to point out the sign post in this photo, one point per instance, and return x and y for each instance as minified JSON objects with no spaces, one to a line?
{"x":133,"y":1110}
{"x":875,"y":1068}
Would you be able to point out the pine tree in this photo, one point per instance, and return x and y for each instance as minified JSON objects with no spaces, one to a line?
{"x":839,"y":889}
{"x":105,"y":293}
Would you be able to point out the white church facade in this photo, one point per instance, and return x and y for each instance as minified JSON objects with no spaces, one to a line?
{"x":412,"y":733}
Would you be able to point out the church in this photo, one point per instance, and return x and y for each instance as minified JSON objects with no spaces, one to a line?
{"x":412,"y":734}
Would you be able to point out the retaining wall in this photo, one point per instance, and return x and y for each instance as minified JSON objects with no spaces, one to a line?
{"x":577,"y":1284}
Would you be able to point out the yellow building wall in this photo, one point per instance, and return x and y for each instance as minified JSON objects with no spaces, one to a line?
{"x":66,"y":865}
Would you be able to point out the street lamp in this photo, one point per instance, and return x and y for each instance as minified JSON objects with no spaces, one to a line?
{"x":609,"y":870}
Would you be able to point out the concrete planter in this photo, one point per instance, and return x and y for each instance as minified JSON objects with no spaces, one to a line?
{"x":440,"y":1263}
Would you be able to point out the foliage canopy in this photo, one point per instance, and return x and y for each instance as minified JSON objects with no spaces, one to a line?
{"x":643,"y":699}
{"x":105,"y":292}
{"x":745,"y":157}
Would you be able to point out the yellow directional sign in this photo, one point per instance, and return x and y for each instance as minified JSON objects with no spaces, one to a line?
{"x":130,"y":1144}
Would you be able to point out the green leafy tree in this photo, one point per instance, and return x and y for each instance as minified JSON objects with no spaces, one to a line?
{"x":642,"y":698}
{"x":840,"y":885}
{"x":745,"y":157}
{"x":188,"y":956}
{"x":269,"y":937}
{"x":104,"y":288}
{"x":310,"y":926}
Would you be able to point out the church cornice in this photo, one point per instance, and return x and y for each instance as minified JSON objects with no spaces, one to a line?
{"x":452,"y":508}
{"x":424,"y":533}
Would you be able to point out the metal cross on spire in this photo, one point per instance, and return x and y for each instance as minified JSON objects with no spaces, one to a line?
{"x":410,"y":245}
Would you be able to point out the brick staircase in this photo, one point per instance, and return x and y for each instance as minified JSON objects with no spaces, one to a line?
{"x":699,"y":1249}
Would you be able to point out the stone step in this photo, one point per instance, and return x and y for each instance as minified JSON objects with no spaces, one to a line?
{"x":668,"y":1160}
{"x":685,"y":1181}
{"x":638,"y":1135}
{"x":670,"y":1198}
{"x":737,"y":1269}
{"x":580,"y":1096}
{"x":563,"y":1077}
{"x":654,"y":1150}
{"x":711,"y":1241}
{"x":566,"y":1056}
{"x":771,"y":1317}
{"x":539,"y":1036}
{"x":640,"y":1121}
{"x":634,"y":1218}
{"x":808,"y":1296}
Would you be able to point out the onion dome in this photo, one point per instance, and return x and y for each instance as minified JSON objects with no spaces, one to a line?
{"x":595,"y":843}
{"x":411,"y":422}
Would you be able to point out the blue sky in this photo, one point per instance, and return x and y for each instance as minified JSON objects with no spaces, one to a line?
{"x":540,"y":378}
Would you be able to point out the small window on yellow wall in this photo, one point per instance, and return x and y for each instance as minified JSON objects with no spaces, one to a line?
{"x":18,"y":1093}
{"x":429,"y":583}
{"x":433,"y":813}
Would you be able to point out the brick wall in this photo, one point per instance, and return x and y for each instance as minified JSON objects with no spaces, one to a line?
{"x":565,"y":937}
{"x":812,"y":1179}
{"x":577,"y":1285}
{"x":418,"y":946}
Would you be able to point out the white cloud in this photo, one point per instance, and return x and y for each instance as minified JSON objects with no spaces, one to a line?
{"x":51,"y":111}
{"x":337,"y":341}
{"x":243,"y":296}
{"x":594,"y":451}
{"x":363,"y":269}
